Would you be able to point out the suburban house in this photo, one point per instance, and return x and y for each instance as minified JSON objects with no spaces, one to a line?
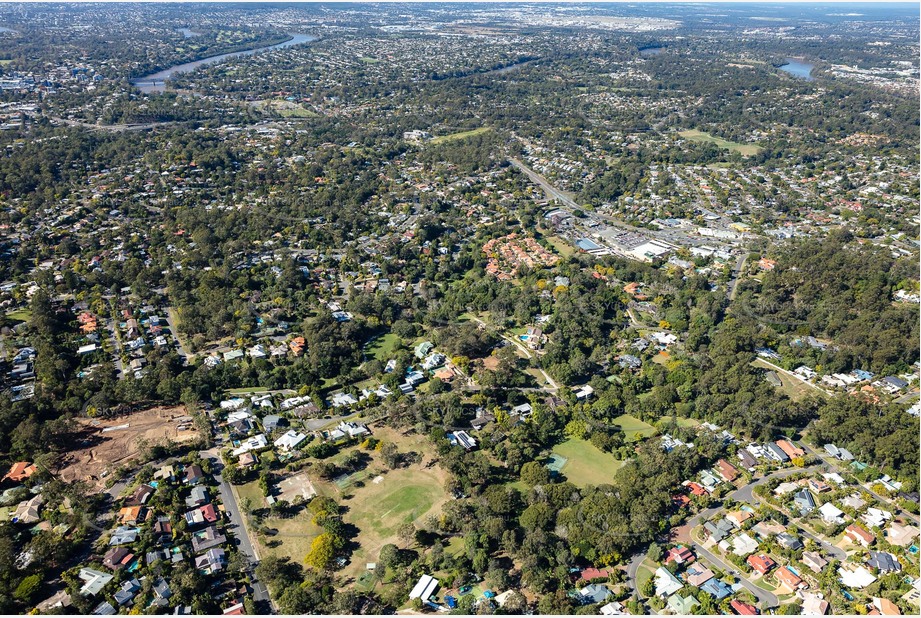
{"x":739,"y":517}
{"x":290,"y":440}
{"x":859,"y":535}
{"x":789,"y":541}
{"x":211,"y":561}
{"x":785,"y":576}
{"x":697,"y":574}
{"x":20,"y":471}
{"x":666,"y":583}
{"x":790,"y":449}
{"x":117,"y":558}
{"x":680,"y":555}
{"x":93,"y":581}
{"x":719,"y":590}
{"x":761,"y":563}
{"x":193,"y":475}
{"x":814,"y":604}
{"x":884,"y":562}
{"x":804,"y":501}
{"x":831,"y":514}
{"x":726,"y":470}
{"x":776,"y":453}
{"x":741,"y":608}
{"x":744,"y":545}
{"x":462,"y":439}
{"x":683,"y":606}
{"x":814,"y":561}
{"x":207,"y":538}
{"x":901,"y":535}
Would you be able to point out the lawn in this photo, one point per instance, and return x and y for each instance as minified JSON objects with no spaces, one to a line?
{"x":632,"y":426}
{"x":664,"y":423}
{"x":21,"y":315}
{"x":561,"y":246}
{"x":382,"y":347}
{"x":248,"y":389}
{"x":794,"y":388}
{"x":644,"y":574}
{"x":701,"y":136}
{"x":461,"y":135}
{"x":585,"y":463}
{"x":293,"y":535}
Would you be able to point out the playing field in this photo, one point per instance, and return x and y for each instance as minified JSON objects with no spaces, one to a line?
{"x":406,"y":495}
{"x":701,"y":136}
{"x":462,"y":135}
{"x":585,"y":464}
{"x":634,"y":428}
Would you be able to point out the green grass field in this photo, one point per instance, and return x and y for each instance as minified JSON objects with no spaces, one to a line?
{"x":406,"y":495}
{"x":293,"y":535}
{"x":561,"y":246}
{"x":461,"y":135}
{"x":664,"y":423}
{"x":22,"y":315}
{"x":247,"y":389}
{"x":369,"y":60}
{"x":794,"y":388}
{"x":632,"y":426}
{"x":585,"y":463}
{"x":383,"y":347}
{"x":644,"y":573}
{"x":701,"y":136}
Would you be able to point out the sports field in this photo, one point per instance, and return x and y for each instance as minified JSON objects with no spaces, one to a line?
{"x":701,"y":136}
{"x":585,"y":464}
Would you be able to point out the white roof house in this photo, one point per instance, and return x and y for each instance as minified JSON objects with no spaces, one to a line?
{"x":290,"y":440}
{"x":253,"y":443}
{"x":831,"y":513}
{"x":856,"y":577}
{"x":424,"y":588}
{"x":93,"y":581}
{"x":666,"y":583}
{"x":744,"y":545}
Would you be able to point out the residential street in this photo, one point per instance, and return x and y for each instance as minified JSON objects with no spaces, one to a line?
{"x":260,"y":592}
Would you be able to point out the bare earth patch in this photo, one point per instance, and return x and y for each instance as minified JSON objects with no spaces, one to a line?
{"x":97,"y":450}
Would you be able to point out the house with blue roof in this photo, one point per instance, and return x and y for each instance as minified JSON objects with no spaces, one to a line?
{"x":717,"y":589}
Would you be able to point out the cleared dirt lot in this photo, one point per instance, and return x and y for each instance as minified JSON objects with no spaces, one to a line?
{"x":97,"y":450}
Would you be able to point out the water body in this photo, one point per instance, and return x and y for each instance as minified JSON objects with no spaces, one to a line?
{"x":188,"y":33}
{"x":798,"y":69}
{"x":647,"y":52}
{"x":156,"y":82}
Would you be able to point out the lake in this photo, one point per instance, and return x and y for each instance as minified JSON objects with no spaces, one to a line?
{"x":188,"y":33}
{"x":798,"y":69}
{"x":646,"y":52}
{"x":156,"y":82}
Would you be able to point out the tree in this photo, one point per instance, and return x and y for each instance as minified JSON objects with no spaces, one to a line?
{"x":407,"y":533}
{"x":533,"y":473}
{"x":322,"y":551}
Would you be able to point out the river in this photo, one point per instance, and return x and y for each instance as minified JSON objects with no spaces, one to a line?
{"x":156,"y":82}
{"x":798,"y":69}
